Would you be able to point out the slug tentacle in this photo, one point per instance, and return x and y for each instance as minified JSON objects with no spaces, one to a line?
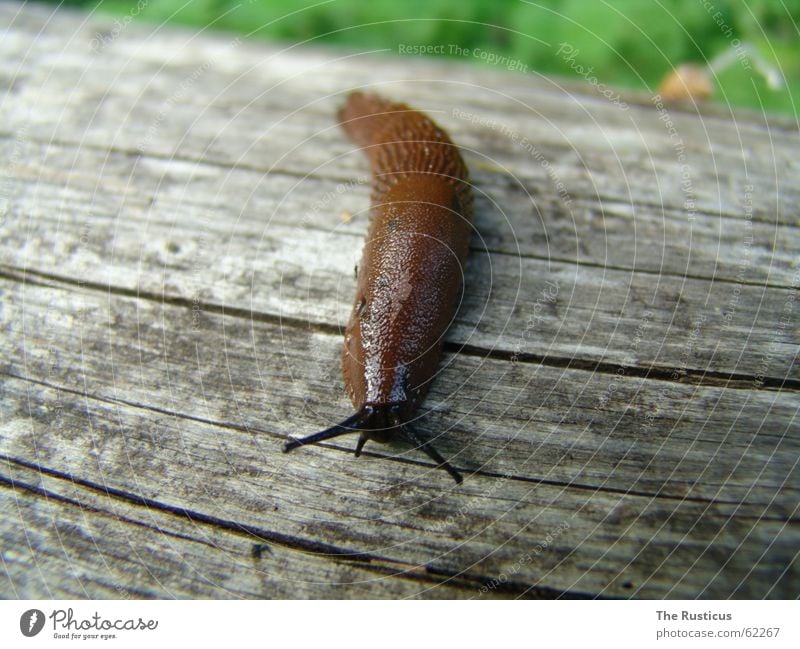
{"x":349,"y":425}
{"x":413,"y":436}
{"x":376,"y":423}
{"x":362,"y":439}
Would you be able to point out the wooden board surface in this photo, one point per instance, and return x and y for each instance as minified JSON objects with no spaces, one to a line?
{"x":180,"y":220}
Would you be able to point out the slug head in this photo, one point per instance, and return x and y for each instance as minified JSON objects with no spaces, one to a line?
{"x":379,"y":423}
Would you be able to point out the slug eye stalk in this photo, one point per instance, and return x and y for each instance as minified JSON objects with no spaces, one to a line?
{"x":369,"y":422}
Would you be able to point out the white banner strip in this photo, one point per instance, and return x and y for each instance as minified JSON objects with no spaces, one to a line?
{"x":402,"y":624}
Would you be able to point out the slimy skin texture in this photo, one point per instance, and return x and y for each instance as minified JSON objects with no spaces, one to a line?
{"x":411,"y":270}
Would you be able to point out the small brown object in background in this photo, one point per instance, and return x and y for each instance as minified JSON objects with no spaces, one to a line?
{"x":687,"y":81}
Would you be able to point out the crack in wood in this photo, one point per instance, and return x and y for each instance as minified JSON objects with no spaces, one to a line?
{"x":265,"y":538}
{"x":404,"y":460}
{"x":51,"y":495}
{"x":709,"y":378}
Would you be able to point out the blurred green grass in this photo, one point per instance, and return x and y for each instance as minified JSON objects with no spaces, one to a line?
{"x":627,"y":43}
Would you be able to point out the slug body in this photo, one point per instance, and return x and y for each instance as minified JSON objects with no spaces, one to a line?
{"x":411,"y":271}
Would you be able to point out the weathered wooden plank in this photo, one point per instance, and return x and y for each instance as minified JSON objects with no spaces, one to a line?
{"x":618,"y":490}
{"x":284,"y":379}
{"x":237,"y":104}
{"x":511,"y":218}
{"x":176,"y":273}
{"x":88,"y":543}
{"x":141,"y":189}
{"x":729,"y":314}
{"x":164,"y":243}
{"x":595,"y":150}
{"x":603,"y":543}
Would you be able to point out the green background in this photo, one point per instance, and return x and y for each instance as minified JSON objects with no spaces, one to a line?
{"x":630,"y":43}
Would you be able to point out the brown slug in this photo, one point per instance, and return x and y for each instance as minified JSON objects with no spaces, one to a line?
{"x":410,"y":274}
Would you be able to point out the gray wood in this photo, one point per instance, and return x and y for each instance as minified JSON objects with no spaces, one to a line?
{"x":181,"y":219}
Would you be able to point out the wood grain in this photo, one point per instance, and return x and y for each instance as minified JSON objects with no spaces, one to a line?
{"x":180,"y":220}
